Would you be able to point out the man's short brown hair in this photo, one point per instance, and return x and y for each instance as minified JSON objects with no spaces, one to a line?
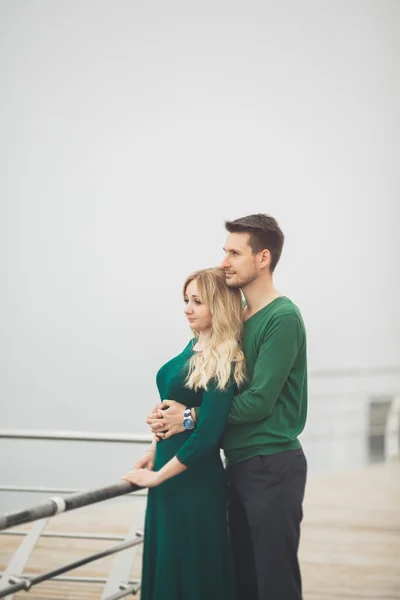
{"x":264,"y":233}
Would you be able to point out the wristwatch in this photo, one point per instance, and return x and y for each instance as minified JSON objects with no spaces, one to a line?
{"x":188,"y":422}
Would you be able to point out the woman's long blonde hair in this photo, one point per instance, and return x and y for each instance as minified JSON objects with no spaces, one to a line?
{"x":222,"y":355}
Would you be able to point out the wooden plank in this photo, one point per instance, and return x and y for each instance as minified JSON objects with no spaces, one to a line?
{"x":350,"y":548}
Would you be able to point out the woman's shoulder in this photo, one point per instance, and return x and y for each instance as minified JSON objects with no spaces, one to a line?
{"x":189,"y":345}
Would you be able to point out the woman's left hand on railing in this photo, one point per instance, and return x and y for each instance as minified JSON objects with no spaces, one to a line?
{"x":143,"y":478}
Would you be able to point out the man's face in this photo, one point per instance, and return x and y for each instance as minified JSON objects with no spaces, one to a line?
{"x":241,"y":266}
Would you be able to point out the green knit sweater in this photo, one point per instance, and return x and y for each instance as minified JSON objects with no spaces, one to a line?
{"x":270,"y":411}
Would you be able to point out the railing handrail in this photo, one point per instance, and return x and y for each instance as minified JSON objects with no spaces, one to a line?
{"x":54,"y":490}
{"x":76,"y":436}
{"x":81,"y":436}
{"x":354,"y":372}
{"x":60,"y":504}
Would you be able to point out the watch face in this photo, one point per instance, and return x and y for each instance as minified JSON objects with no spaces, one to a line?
{"x":188,"y":423}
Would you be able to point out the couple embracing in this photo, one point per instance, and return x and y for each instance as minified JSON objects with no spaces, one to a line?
{"x":216,"y":533}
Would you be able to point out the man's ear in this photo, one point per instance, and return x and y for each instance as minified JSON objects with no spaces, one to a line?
{"x":265,"y":259}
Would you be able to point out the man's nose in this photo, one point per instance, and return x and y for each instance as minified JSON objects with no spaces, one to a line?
{"x":224,"y":263}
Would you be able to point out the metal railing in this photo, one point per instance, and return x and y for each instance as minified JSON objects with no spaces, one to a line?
{"x":22,"y":434}
{"x":58,"y":504}
{"x":117,"y":584}
{"x":75,"y":436}
{"x":345,"y":372}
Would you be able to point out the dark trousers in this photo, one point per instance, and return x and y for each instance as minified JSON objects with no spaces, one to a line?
{"x":265,"y":510}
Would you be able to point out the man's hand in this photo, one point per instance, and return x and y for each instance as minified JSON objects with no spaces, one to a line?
{"x":167,"y":419}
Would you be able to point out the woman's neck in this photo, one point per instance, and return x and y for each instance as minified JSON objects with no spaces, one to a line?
{"x":202,"y":340}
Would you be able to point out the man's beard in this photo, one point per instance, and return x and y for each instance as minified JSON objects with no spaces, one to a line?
{"x":241,"y":283}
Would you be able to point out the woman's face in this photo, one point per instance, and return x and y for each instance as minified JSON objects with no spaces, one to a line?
{"x":197,"y":313}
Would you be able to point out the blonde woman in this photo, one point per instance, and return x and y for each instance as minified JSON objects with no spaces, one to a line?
{"x":187,"y":554}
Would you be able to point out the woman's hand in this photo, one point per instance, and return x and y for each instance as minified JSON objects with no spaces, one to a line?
{"x":168,"y":420}
{"x":146,"y":462}
{"x":143,"y":478}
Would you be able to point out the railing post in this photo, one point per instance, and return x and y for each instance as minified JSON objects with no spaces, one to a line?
{"x":16,"y":566}
{"x":119,"y":572}
{"x":392,"y":430}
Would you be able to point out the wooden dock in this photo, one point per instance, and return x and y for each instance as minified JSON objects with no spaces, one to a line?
{"x":350,"y":547}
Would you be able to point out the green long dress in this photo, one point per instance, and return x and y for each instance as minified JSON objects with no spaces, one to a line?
{"x":187,"y":554}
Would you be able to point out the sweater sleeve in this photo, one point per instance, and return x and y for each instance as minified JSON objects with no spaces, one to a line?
{"x":205,"y":438}
{"x":278,"y":351}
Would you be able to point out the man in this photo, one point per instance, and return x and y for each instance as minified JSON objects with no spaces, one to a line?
{"x":266,"y":465}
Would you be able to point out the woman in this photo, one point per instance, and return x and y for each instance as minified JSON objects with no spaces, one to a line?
{"x":187,"y":554}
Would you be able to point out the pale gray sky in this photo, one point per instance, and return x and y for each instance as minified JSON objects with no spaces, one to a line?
{"x":128,"y":133}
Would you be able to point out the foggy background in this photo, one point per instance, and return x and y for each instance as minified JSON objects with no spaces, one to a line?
{"x":128,"y":133}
